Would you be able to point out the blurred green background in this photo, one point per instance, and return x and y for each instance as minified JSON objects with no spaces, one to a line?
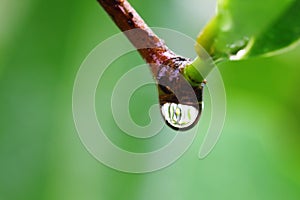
{"x":42,"y":44}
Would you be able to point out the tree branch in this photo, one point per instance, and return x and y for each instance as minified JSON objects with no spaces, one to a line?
{"x":168,"y":69}
{"x":126,"y":18}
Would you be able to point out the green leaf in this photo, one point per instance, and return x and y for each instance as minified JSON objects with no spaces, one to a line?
{"x":243,"y":29}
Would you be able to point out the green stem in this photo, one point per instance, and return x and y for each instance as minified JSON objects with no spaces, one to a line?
{"x":196,"y":72}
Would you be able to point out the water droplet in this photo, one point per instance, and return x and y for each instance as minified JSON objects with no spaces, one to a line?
{"x":239,"y":55}
{"x":237,"y":50}
{"x":180,"y":103}
{"x":226,"y":21}
{"x":179,"y":116}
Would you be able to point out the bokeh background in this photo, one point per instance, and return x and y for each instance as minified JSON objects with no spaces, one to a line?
{"x":43,"y":43}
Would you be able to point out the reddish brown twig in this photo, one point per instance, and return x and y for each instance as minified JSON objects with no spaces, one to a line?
{"x":149,"y":45}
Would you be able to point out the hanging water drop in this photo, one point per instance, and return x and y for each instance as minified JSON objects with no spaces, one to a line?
{"x":178,"y":115}
{"x":180,"y":103}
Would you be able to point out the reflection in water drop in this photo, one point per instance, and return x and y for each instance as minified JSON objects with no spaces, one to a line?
{"x":179,"y":116}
